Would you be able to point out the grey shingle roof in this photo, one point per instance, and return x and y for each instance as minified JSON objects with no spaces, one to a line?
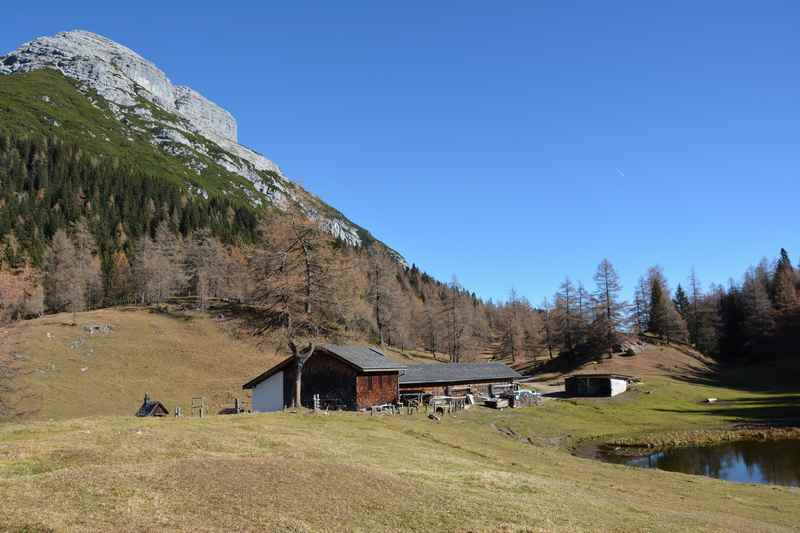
{"x":457,"y":372}
{"x":365,"y":359}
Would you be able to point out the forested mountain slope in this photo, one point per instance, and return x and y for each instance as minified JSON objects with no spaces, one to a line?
{"x":117,"y":187}
{"x":195,"y":140}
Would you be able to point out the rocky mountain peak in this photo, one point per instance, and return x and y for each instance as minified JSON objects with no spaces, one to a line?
{"x":132,"y":85}
{"x":121,"y":76}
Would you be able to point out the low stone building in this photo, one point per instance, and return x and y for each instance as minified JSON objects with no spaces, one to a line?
{"x":344,"y":377}
{"x":457,"y":379}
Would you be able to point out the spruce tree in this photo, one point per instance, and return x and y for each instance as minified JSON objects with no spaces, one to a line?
{"x":784,"y":292}
{"x":681,"y":302}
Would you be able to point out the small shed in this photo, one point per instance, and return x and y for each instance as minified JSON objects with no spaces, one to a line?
{"x":457,"y":379}
{"x":343,"y":377}
{"x":596,"y":385}
{"x":152,"y":407}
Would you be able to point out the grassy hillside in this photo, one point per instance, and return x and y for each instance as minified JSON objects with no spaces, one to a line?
{"x":66,"y":372}
{"x":63,"y":371}
{"x":653,"y":360}
{"x":482,"y":471}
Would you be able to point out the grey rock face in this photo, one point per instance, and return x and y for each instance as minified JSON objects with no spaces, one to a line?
{"x":209,"y":118}
{"x":123,"y":78}
{"x":119,"y":75}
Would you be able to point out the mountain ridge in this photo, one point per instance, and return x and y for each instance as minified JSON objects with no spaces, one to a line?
{"x":175,"y":119}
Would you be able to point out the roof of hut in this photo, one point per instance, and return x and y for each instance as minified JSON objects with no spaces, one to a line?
{"x":152,"y":408}
{"x":457,"y":372}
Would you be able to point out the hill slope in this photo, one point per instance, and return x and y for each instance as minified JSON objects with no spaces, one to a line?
{"x":65,"y":372}
{"x":654,"y":360}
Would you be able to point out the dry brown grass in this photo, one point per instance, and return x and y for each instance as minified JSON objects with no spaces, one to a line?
{"x":171,"y":356}
{"x":482,"y":471}
{"x":352,"y":472}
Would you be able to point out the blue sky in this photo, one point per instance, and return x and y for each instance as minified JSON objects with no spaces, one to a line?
{"x":510,"y":143}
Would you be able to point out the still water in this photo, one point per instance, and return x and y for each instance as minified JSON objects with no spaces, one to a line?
{"x":774,"y":462}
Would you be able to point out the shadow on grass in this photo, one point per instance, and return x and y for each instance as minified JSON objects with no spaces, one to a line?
{"x":777,"y":375}
{"x":781,"y":409}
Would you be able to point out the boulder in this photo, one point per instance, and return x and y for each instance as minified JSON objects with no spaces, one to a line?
{"x":98,"y":329}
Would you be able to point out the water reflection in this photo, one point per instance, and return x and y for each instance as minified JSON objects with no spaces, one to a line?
{"x":775,"y":462}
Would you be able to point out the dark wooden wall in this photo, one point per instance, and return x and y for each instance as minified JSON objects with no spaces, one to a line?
{"x":376,"y":388}
{"x":289,"y":374}
{"x":329,"y":377}
{"x":591,"y":386}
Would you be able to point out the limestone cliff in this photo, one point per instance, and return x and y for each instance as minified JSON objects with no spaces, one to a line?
{"x":182,"y":122}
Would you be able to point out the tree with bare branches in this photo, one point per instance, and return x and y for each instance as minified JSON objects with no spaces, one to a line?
{"x":64,"y":280}
{"x":609,"y":319}
{"x":293,"y":276}
{"x":383,"y":291}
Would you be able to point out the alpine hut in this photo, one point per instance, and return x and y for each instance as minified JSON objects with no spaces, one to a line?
{"x":341,"y":377}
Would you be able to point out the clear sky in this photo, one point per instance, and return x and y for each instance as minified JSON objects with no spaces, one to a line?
{"x":510,"y":143}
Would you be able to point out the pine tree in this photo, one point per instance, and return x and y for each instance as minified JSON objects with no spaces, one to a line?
{"x":784,"y":283}
{"x":657,"y":314}
{"x":664,"y":319}
{"x":682,"y":304}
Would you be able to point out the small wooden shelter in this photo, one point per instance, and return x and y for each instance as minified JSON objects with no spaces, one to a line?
{"x":152,"y":407}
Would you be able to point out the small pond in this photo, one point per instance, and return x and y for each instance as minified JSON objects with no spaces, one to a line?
{"x":774,"y":462}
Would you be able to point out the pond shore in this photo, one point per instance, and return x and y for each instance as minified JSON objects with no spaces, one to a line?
{"x":643,"y":444}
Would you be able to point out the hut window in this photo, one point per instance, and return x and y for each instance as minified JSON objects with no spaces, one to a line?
{"x":369,"y":382}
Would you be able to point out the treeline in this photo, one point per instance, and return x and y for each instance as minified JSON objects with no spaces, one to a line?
{"x":756,"y":317}
{"x":303,"y":283}
{"x":574,"y":323}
